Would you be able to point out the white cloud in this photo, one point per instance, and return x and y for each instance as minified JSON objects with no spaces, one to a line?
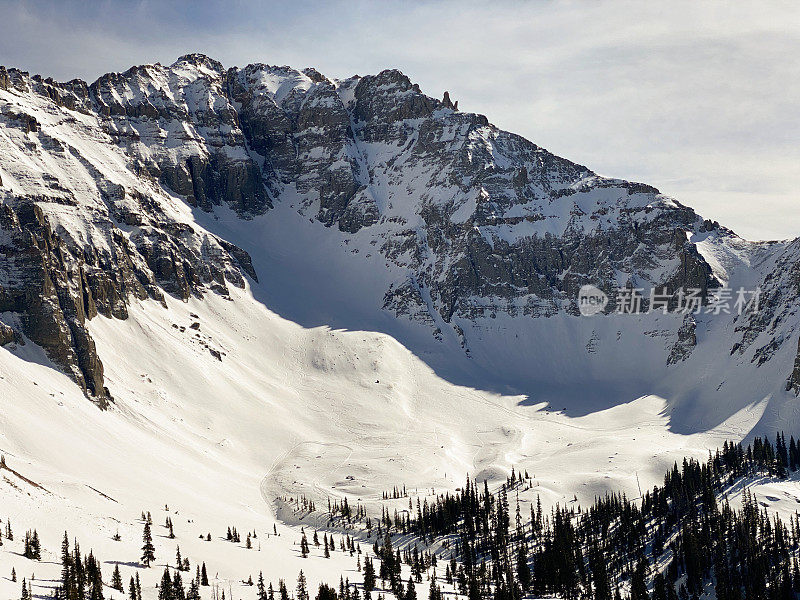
{"x":699,"y":99}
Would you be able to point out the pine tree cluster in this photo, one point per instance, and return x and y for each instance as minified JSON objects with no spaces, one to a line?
{"x":618,"y":546}
{"x":32,"y":548}
{"x":81,"y":577}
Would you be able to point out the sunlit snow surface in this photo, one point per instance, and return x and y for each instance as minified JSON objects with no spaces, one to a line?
{"x":288,"y":410}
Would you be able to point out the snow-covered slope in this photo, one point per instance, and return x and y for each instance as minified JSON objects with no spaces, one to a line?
{"x":280,"y":284}
{"x":288,"y":411}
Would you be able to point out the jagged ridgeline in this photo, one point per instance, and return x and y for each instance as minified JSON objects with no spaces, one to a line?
{"x":467,"y":231}
{"x":680,"y":540}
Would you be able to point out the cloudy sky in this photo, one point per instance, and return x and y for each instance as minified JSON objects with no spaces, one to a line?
{"x":699,"y":99}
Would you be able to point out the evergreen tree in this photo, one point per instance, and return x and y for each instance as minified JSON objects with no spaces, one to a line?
{"x":178,"y":592}
{"x":78,"y":574}
{"x":94,"y":578}
{"x":148,"y":550}
{"x":66,"y":568}
{"x":116,"y":579}
{"x":165,"y":591}
{"x":369,"y":575}
{"x":302,"y":587}
{"x":24,"y":595}
{"x":411,"y":592}
{"x":523,"y":569}
{"x":326,"y":592}
{"x":32,"y":548}
{"x":194,"y":591}
{"x":435,"y":592}
{"x":638,"y":583}
{"x":261,"y":591}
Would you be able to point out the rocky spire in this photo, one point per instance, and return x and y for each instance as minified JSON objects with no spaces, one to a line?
{"x":447,"y":102}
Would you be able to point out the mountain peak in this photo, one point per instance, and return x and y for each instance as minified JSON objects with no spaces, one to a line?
{"x":198,"y":59}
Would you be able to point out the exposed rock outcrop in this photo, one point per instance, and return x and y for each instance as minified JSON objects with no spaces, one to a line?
{"x":793,"y":384}
{"x":45,"y":284}
{"x":7,"y":334}
{"x":686,"y":342}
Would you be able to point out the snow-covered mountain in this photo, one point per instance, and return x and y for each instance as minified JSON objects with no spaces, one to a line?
{"x":190,"y":178}
{"x":299,"y":285}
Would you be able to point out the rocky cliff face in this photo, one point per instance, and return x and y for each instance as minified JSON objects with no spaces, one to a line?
{"x":86,"y":226}
{"x":480,"y":218}
{"x":182,"y":127}
{"x":793,"y":384}
{"x":99,"y":183}
{"x":48,"y":287}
